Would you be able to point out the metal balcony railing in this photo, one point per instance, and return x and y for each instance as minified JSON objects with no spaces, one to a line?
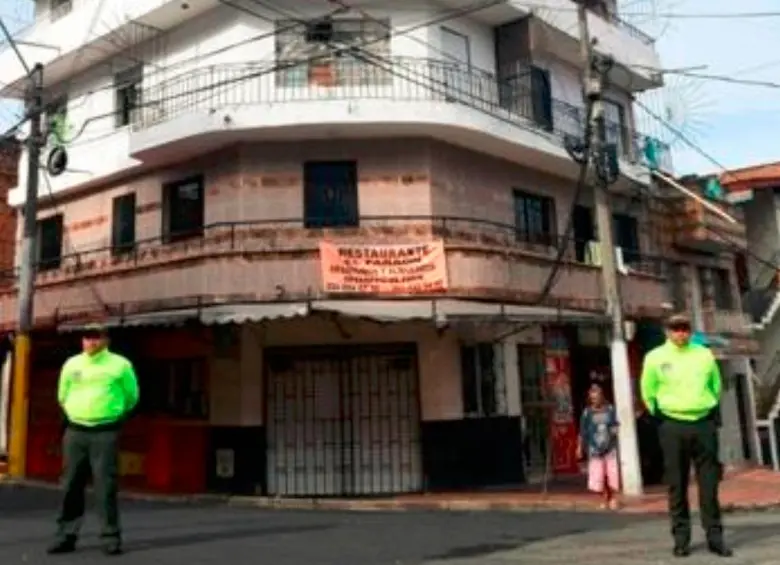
{"x":290,"y":235}
{"x":400,"y":79}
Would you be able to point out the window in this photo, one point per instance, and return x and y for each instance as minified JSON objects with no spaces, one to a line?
{"x":298,"y":44}
{"x":50,"y":243}
{"x":123,"y":224}
{"x":541,"y":97}
{"x":456,"y":46}
{"x":677,"y":287}
{"x":173,"y":387}
{"x":722,"y":292}
{"x":183,"y":209}
{"x":534,"y":218}
{"x":626,"y":235}
{"x":480,"y":382}
{"x":128,"y":94}
{"x":615,"y":118}
{"x":584,"y":232}
{"x":330,"y":194}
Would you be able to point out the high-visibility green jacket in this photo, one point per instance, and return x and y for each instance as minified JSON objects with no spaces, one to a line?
{"x":681,"y":382}
{"x":97,"y":389}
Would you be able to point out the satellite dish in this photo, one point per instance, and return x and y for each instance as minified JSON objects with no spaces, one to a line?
{"x":57,"y":161}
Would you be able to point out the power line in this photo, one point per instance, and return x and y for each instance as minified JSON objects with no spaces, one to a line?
{"x":680,"y":135}
{"x":441,"y":18}
{"x":581,"y":181}
{"x":713,"y":77}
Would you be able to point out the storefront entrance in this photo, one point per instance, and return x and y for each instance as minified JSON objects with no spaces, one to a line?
{"x":343,"y":421}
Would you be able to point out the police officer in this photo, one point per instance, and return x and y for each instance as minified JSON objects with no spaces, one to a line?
{"x":97,"y":391}
{"x":681,"y":387}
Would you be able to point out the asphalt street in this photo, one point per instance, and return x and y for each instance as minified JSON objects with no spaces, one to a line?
{"x":163,"y":533}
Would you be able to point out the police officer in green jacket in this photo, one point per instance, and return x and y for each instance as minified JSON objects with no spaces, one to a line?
{"x":681,"y":387}
{"x":97,"y":391}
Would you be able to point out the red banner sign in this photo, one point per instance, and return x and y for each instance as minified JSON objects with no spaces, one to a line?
{"x":415,"y":268}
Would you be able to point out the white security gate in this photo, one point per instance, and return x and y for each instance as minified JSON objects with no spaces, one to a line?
{"x":343,"y":421}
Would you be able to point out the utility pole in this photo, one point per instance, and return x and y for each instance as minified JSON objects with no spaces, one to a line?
{"x":594,"y":73}
{"x":29,"y":256}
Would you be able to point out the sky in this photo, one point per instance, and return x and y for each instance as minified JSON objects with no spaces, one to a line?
{"x":16,"y":14}
{"x":734,"y":125}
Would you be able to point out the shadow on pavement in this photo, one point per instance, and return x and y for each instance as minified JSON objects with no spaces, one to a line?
{"x":569,"y":525}
{"x":746,"y":534}
{"x":17,"y":500}
{"x":196,"y":538}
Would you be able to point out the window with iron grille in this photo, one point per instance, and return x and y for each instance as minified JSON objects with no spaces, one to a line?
{"x":183,"y":209}
{"x":175,"y":388}
{"x":330,"y":194}
{"x":534,"y":218}
{"x":333,"y":52}
{"x":482,"y":380}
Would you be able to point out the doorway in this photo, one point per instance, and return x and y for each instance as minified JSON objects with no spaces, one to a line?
{"x":343,"y":421}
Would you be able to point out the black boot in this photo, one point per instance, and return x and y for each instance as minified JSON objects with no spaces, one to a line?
{"x":63,"y":545}
{"x":112,"y":547}
{"x":717,"y":547}
{"x":681,"y":550}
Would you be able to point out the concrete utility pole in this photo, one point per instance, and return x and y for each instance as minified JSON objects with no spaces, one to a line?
{"x":29,"y":257}
{"x":593,"y":83}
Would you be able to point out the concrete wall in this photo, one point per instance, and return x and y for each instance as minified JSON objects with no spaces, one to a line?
{"x":239,"y":383}
{"x":236,"y":385}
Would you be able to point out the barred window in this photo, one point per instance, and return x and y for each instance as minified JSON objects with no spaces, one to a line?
{"x":337,"y":52}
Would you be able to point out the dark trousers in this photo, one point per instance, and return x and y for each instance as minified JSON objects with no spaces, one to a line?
{"x":86,"y":450}
{"x":684,"y":443}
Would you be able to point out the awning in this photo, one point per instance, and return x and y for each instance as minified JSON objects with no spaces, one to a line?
{"x":177,"y":317}
{"x":439,"y":310}
{"x":243,"y":313}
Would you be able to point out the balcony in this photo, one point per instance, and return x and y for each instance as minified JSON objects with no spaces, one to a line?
{"x":700,"y":230}
{"x":58,"y":39}
{"x":216,"y":105}
{"x":727,"y":322}
{"x":279,"y":261}
{"x":555,"y":32}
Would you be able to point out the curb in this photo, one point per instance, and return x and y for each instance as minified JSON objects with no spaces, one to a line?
{"x":352,"y":505}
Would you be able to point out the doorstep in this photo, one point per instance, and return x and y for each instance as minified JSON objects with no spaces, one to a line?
{"x":741,"y":490}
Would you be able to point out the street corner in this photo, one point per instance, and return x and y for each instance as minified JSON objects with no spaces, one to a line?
{"x":755,"y":538}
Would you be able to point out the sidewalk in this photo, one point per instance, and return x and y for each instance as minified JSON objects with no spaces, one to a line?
{"x":747,"y":489}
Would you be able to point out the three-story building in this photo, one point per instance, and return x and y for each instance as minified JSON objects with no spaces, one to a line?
{"x":333,"y":237}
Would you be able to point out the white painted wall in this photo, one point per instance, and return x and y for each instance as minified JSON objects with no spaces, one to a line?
{"x":224,"y":35}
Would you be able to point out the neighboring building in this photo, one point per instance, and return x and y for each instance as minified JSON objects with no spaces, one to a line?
{"x":755,"y":190}
{"x":9,"y":163}
{"x":221,"y":183}
{"x":705,"y":250}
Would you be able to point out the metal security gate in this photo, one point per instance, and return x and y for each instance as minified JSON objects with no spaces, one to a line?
{"x":343,"y":421}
